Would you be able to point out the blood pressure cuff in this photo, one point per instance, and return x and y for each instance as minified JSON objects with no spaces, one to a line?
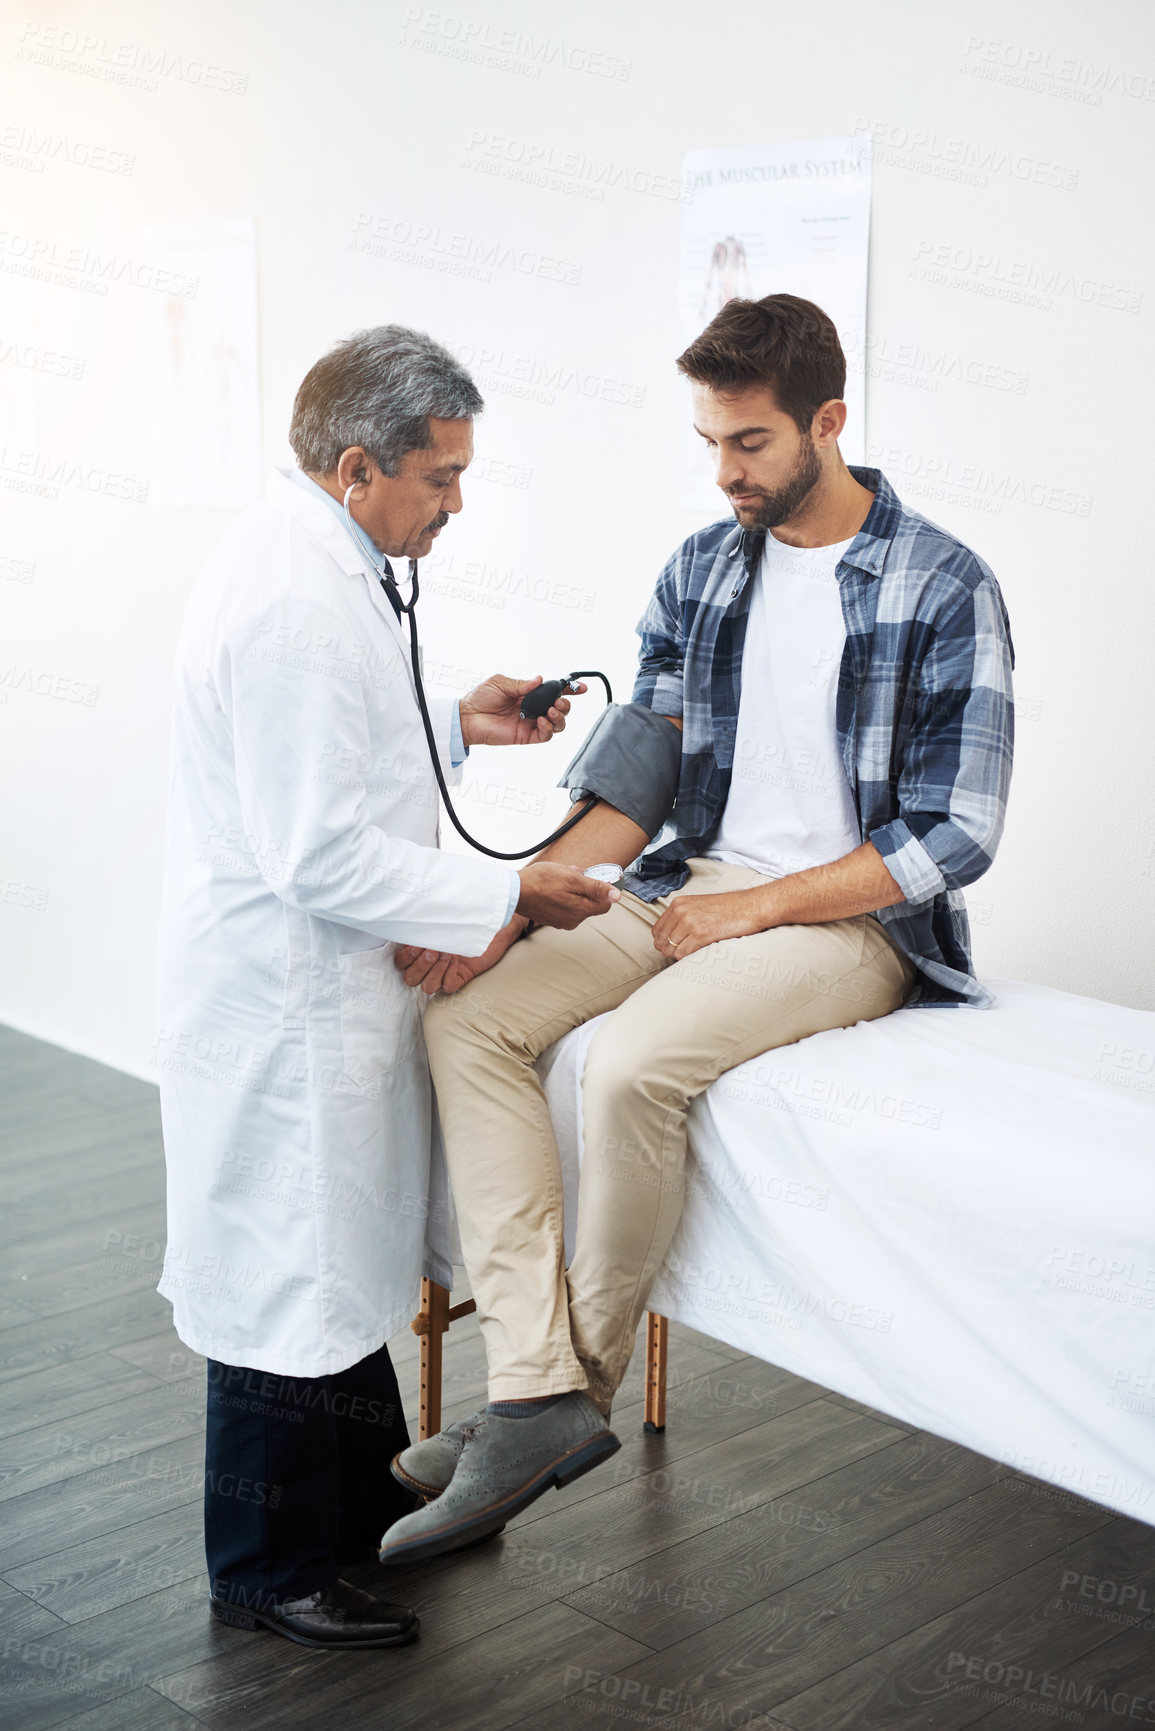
{"x":631,"y":758}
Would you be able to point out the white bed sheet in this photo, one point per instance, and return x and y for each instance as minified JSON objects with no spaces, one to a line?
{"x":947,"y":1214}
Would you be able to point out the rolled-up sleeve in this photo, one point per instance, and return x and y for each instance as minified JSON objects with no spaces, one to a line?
{"x":955,"y":764}
{"x":660,"y":663}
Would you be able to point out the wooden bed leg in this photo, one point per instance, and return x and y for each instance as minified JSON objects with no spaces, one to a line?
{"x":431,"y":1322}
{"x":657,"y":1329}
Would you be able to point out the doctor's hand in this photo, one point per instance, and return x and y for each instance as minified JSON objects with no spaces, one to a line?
{"x":440,"y":971}
{"x":551,"y":895}
{"x":489,"y":714}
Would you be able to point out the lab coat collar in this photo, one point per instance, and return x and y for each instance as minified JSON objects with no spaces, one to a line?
{"x":312,"y":509}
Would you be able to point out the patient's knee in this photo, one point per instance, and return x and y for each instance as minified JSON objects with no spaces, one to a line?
{"x":615,"y":1070}
{"x":474,"y":1016}
{"x":454,"y":1016}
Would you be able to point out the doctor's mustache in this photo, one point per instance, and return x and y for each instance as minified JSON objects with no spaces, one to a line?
{"x":438,"y":522}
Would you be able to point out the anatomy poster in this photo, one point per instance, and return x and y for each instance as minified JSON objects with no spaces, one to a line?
{"x":204,"y":423}
{"x":777,"y":219}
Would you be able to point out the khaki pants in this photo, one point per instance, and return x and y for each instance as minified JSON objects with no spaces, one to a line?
{"x":677,"y":1026}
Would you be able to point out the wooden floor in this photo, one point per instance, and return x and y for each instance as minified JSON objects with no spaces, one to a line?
{"x":781,"y":1557}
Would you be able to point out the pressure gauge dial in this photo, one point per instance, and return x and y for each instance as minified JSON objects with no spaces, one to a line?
{"x":605,"y":874}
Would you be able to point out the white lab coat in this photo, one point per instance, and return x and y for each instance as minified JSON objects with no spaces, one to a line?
{"x":301,"y":847}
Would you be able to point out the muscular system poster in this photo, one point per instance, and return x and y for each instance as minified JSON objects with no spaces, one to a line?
{"x":777,"y":219}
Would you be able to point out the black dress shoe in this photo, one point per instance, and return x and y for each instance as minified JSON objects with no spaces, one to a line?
{"x":339,"y":1616}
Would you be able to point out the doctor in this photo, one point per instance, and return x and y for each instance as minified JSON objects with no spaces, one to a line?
{"x":302,"y":848}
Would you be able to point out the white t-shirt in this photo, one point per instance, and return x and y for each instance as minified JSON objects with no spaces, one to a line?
{"x":789,"y":804}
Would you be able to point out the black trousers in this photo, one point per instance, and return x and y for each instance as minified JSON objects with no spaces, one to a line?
{"x":297,"y":1476}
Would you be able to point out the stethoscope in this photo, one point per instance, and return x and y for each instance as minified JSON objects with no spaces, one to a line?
{"x":544,"y":694}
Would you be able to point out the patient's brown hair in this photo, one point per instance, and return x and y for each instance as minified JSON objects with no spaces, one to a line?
{"x":781,"y":341}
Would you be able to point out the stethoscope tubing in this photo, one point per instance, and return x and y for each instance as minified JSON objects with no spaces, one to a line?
{"x":409,"y":609}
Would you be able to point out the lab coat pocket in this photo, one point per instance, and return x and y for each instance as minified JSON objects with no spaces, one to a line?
{"x":380,"y":1019}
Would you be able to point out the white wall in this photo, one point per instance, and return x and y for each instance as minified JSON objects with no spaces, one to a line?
{"x":371,"y":108}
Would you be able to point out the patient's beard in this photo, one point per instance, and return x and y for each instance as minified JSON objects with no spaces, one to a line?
{"x":778,"y":507}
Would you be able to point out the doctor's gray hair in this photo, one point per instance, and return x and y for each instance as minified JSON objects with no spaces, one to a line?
{"x":378,"y":389}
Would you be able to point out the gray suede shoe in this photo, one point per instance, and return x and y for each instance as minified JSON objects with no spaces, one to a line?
{"x":505,"y":1464}
{"x":427,"y":1467}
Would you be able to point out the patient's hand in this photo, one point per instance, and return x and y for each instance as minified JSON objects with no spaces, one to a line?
{"x":691,"y":922}
{"x":439,"y":971}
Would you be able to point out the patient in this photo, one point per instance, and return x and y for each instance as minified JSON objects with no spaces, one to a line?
{"x":840,"y":672}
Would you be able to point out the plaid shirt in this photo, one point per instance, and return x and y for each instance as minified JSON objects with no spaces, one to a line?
{"x":924,"y":715}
